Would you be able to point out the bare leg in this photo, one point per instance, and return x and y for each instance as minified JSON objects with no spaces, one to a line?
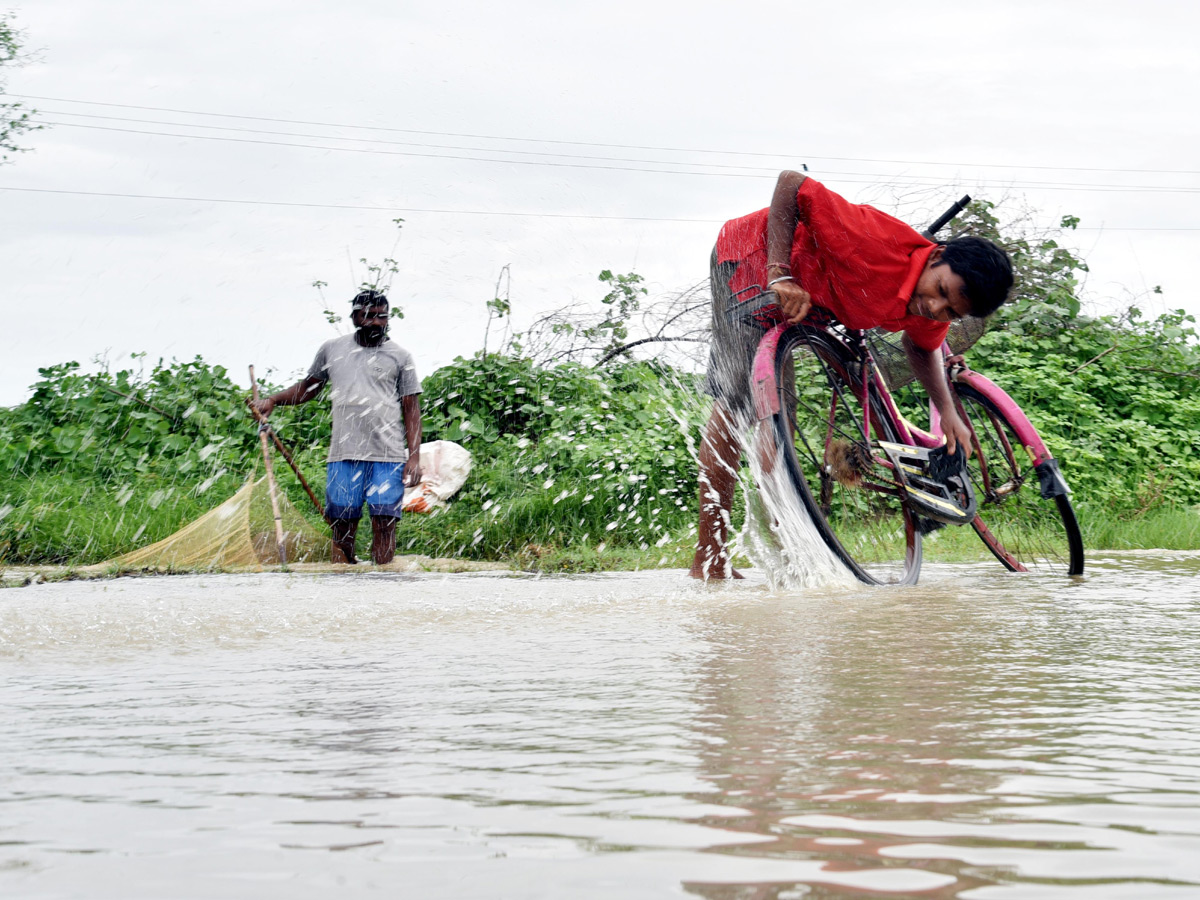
{"x":765,"y":446}
{"x":344,"y":531}
{"x":720,"y":452}
{"x":383,"y":539}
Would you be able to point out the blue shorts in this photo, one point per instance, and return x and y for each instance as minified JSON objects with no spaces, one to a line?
{"x":351,"y":482}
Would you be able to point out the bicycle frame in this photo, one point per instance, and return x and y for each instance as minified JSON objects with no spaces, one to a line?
{"x":765,"y":392}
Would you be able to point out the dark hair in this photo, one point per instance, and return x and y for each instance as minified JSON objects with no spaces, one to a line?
{"x":367,"y":298}
{"x":985,"y":269}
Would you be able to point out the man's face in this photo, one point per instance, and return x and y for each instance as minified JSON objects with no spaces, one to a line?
{"x":939,"y":294}
{"x":371,"y":323}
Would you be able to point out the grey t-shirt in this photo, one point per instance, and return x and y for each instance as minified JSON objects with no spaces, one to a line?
{"x":366,"y":384}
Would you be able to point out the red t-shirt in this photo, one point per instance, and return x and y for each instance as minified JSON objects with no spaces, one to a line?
{"x":859,"y":263}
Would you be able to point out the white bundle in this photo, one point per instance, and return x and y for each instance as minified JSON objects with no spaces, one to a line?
{"x":445,"y":466}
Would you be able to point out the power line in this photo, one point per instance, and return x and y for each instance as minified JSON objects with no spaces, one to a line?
{"x":770,"y":171}
{"x":853,"y":177}
{"x":492,"y":137}
{"x":392,"y":209}
{"x":510,"y":162}
{"x":663,"y":162}
{"x":460,"y":212}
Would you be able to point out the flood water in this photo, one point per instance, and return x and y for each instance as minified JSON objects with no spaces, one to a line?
{"x":980,"y":735}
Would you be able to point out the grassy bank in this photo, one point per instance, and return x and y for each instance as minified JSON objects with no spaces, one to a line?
{"x":576,"y":469}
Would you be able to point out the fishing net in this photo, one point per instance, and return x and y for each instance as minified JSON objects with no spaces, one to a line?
{"x":240,"y":533}
{"x":893,"y":361}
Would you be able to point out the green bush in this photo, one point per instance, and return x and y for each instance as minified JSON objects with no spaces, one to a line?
{"x":94,"y":465}
{"x":564,"y":457}
{"x":1118,"y":400}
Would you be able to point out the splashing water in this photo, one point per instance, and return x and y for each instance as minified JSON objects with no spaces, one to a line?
{"x":779,"y":536}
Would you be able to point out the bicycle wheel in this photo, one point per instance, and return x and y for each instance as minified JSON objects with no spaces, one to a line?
{"x":853,"y":500}
{"x":1025,"y":531}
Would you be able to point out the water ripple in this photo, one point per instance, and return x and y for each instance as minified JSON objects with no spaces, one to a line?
{"x":980,"y":735}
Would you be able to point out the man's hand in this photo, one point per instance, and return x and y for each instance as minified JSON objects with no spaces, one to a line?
{"x":300,"y":392}
{"x":956,"y":432}
{"x":412,"y":470}
{"x":794,"y":300}
{"x":262,"y":406}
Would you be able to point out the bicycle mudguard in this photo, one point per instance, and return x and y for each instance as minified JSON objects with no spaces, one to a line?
{"x":1050,"y":480}
{"x":764,"y":388}
{"x":1026,"y":433}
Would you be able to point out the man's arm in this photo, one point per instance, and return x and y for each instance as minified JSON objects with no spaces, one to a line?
{"x":300,"y":392}
{"x":928,"y":367}
{"x":782,"y":218}
{"x":410,"y":404}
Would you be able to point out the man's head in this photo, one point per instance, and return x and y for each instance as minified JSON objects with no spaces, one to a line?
{"x":369,"y":313}
{"x":965,"y":276}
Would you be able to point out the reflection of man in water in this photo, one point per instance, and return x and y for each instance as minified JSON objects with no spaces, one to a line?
{"x":374,"y":385}
{"x":870,"y":270}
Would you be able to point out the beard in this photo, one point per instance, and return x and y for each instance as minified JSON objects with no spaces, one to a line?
{"x":373,"y":334}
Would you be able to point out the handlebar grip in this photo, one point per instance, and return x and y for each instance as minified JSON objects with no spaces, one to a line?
{"x":945,"y":217}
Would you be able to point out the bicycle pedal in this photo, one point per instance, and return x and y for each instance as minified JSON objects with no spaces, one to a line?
{"x":951,"y":507}
{"x":943,"y":464}
{"x":908,"y":460}
{"x":950,"y":499}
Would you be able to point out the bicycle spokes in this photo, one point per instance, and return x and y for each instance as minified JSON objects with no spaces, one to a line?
{"x":830,"y":433}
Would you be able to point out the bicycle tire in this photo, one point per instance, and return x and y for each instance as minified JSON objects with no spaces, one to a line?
{"x":819,"y":425}
{"x":1022,"y":529}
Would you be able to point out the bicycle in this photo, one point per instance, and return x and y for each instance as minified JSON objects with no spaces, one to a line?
{"x":866,"y":474}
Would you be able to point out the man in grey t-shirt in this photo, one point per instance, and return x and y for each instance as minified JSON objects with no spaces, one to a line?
{"x":372,"y":456}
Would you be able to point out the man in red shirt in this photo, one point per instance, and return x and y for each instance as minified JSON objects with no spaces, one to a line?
{"x":870,"y":270}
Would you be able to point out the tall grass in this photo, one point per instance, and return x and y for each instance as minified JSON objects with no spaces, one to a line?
{"x":1165,"y":528}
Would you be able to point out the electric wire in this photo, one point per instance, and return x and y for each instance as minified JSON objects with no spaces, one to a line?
{"x":463,"y":212}
{"x":393,"y":209}
{"x":991,"y":165}
{"x":330,"y":137}
{"x":510,"y":162}
{"x":503,"y":155}
{"x":853,"y":177}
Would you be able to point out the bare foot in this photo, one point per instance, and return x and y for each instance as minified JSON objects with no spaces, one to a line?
{"x":698,"y":571}
{"x":734,"y":573}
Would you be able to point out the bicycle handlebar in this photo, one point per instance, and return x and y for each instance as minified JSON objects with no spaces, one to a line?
{"x":945,"y":217}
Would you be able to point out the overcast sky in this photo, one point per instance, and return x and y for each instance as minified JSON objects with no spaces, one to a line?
{"x":558,"y":139}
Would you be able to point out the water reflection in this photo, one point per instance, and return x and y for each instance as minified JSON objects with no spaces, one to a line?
{"x":980,"y":736}
{"x":981,"y":730}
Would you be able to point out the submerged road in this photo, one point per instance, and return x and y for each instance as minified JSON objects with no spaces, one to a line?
{"x":636,"y":735}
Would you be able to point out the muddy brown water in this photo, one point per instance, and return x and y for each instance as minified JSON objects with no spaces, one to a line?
{"x":486,"y":735}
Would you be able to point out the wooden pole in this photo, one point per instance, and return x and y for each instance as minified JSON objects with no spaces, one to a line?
{"x":266,"y":452}
{"x":287,"y":456}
